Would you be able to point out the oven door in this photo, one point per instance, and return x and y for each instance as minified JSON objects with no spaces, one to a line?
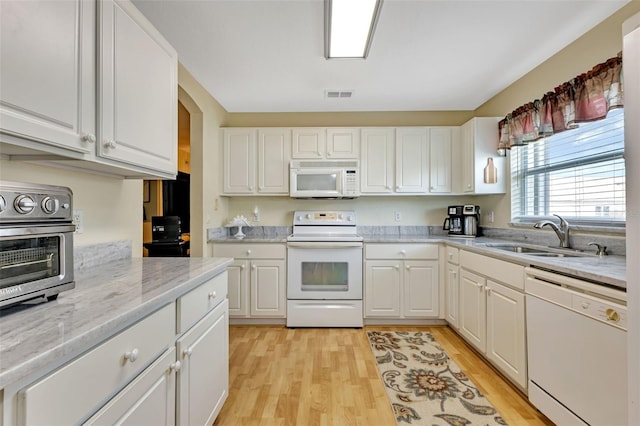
{"x":324,"y":270}
{"x":33,"y":259}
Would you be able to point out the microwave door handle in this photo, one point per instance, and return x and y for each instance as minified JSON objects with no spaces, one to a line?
{"x":446,"y":226}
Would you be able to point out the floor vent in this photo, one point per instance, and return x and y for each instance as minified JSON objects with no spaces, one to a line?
{"x":338,"y":93}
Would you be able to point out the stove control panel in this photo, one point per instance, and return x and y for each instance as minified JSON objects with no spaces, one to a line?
{"x":318,"y":217}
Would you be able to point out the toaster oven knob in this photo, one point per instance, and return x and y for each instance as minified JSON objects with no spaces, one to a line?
{"x":50,"y":205}
{"x":3,"y":204}
{"x":24,"y":204}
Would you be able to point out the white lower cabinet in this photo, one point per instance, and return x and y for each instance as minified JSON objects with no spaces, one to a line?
{"x":203,"y":380}
{"x":492,"y":312}
{"x":452,"y":287}
{"x":257,"y":279}
{"x":149,"y":399}
{"x":401,"y":281}
{"x":171,"y":367}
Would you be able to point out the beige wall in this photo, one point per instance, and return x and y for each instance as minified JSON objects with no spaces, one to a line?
{"x":208,"y":209}
{"x":112,"y":207}
{"x":601,"y":43}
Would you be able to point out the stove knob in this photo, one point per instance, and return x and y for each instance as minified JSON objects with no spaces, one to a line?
{"x":24,"y":204}
{"x":308,"y":215}
{"x":3,"y":204}
{"x":50,"y":205}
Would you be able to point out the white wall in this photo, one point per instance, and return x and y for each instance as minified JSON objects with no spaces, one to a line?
{"x":112,"y":207}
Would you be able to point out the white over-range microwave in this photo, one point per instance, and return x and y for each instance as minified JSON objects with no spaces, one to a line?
{"x":324,"y":179}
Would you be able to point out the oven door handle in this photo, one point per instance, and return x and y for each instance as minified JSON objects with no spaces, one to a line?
{"x":324,"y":244}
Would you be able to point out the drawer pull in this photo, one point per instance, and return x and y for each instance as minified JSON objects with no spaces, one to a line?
{"x":212,"y":295}
{"x":403,"y":251}
{"x":132,"y":355}
{"x":187,"y":352}
{"x":175,"y":366}
{"x":248,"y":252}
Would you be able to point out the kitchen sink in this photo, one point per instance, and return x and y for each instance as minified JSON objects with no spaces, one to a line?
{"x":540,"y":251}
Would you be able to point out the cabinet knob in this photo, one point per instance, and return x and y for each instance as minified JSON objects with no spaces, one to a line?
{"x":488,"y":291}
{"x":403,"y":251}
{"x":241,"y":266}
{"x":212,"y":295}
{"x":398,"y":188}
{"x":330,"y":153}
{"x":408,"y":267}
{"x":187,"y":352}
{"x":248,"y":252}
{"x":396,"y":267}
{"x":388,"y":187}
{"x":109,"y":144}
{"x":253,"y":266}
{"x":250,"y":188}
{"x":176,"y":366}
{"x":88,"y":137}
{"x":132,"y":356}
{"x":319,"y":154}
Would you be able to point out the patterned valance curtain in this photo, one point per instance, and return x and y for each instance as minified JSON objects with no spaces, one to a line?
{"x":587,"y":97}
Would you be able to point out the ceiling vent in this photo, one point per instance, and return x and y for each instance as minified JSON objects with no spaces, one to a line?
{"x":338,"y":93}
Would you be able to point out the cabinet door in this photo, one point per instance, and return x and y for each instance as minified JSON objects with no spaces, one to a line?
{"x":506,"y":331}
{"x":452,"y":287}
{"x":47,"y":73}
{"x":308,"y":142}
{"x":239,"y":146}
{"x":274,"y":155}
{"x":412,"y":160}
{"x":343,"y":143}
{"x":472,"y":320}
{"x":268,"y":288}
{"x":137,"y":90}
{"x":382,"y":288}
{"x":238,"y":291}
{"x":203,"y":379}
{"x":377,"y":161}
{"x":467,"y":156}
{"x":420,"y":285}
{"x":440,"y":148}
{"x":149,"y":399}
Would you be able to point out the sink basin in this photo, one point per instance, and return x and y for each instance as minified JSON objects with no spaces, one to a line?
{"x":540,"y":251}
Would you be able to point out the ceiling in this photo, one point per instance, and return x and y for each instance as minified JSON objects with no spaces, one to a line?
{"x":427,"y":55}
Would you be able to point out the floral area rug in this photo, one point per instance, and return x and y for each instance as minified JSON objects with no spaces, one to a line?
{"x":424,"y":385}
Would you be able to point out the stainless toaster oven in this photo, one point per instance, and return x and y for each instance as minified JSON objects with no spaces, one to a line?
{"x":36,"y":242}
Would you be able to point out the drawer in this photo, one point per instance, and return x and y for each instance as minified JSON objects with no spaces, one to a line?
{"x":507,"y":273}
{"x":453,"y":255}
{"x":195,"y":304}
{"x":249,"y":251}
{"x":401,"y":251}
{"x":70,"y":393}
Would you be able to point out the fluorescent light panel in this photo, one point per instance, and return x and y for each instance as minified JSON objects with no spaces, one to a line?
{"x":349,"y":26}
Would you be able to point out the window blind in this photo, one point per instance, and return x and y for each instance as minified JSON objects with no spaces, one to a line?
{"x":578,"y":174}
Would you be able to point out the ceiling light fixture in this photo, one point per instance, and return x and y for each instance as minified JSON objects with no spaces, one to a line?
{"x":349,"y":27}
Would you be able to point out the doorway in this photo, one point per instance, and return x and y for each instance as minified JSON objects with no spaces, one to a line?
{"x":171,"y":197}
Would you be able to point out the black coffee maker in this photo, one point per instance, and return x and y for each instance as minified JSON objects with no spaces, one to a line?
{"x":462,"y":221}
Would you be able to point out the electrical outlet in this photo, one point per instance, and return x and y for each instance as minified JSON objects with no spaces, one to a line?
{"x":397,"y":216}
{"x":490,"y":217}
{"x":78,"y":221}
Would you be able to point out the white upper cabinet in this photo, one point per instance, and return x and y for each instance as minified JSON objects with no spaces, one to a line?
{"x":377,"y":160}
{"x":343,"y":143}
{"x":309,"y":142}
{"x":479,"y":143}
{"x":137,"y":89}
{"x":256,"y":161}
{"x":412,"y":160}
{"x":274,"y":155}
{"x":47,"y":75}
{"x":90,"y":85}
{"x":239,"y":146}
{"x":325,"y":143}
{"x":441,"y":141}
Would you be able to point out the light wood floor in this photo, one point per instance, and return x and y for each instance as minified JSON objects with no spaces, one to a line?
{"x":281,"y":376}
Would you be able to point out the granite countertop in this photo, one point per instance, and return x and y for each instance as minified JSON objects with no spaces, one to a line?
{"x":610,"y":270}
{"x":106,"y":300}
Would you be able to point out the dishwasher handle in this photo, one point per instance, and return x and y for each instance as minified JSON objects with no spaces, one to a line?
{"x":619,"y":296}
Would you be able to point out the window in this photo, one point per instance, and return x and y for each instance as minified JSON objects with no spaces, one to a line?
{"x":578,"y":174}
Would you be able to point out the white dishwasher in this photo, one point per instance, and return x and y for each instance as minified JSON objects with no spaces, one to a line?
{"x":577,"y":349}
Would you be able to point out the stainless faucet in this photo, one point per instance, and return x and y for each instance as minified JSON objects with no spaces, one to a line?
{"x":562,"y":232}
